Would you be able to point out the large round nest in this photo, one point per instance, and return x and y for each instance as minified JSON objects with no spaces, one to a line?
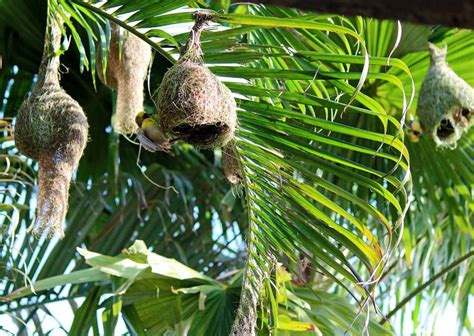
{"x":446,"y":102}
{"x":48,"y":123}
{"x":193,"y":104}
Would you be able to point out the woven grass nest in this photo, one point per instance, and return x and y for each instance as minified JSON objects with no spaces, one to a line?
{"x":127,"y":68}
{"x":192,"y":103}
{"x":446,"y":102}
{"x":230,"y":164}
{"x":51,"y":128}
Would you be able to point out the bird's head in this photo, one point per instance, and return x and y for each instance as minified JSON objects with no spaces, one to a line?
{"x":140,"y":117}
{"x":415,"y":130}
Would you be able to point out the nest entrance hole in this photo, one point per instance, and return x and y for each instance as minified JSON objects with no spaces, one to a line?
{"x":445,"y":129}
{"x":202,"y":134}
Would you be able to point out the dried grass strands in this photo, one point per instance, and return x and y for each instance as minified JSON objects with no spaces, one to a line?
{"x":193,"y":104}
{"x":230,"y":164}
{"x":127,"y":69}
{"x":52,"y":128}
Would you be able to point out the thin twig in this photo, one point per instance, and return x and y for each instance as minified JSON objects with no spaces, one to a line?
{"x":147,"y":177}
{"x":420,"y":288}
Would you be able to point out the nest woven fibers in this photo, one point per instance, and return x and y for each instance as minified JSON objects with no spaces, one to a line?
{"x":446,"y":102}
{"x":51,"y":127}
{"x":192,"y":103}
{"x":128,"y":61}
{"x":230,"y":164}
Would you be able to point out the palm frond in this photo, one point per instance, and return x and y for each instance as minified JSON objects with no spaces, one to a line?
{"x":327,"y":175}
{"x":439,"y":226}
{"x":299,"y":151}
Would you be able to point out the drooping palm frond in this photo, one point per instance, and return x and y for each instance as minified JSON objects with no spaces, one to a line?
{"x":440,"y":225}
{"x":289,"y":179}
{"x":303,"y":161}
{"x":325,"y":167}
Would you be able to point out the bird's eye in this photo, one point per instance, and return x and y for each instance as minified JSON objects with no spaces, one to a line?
{"x":416,"y":133}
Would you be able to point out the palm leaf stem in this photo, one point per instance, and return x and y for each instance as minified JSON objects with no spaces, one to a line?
{"x":430,"y":281}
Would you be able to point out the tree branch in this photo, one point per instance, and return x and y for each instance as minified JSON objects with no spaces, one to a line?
{"x":420,"y":288}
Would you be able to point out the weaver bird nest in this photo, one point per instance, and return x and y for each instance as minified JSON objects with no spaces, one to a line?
{"x":446,"y":102}
{"x":51,"y":128}
{"x":128,"y":61}
{"x":230,"y":164}
{"x":192,"y":103}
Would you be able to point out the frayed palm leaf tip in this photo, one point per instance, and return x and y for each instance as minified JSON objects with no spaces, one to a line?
{"x":446,"y":102}
{"x":193,"y":104}
{"x":127,"y":69}
{"x":230,"y":164}
{"x":52,"y":128}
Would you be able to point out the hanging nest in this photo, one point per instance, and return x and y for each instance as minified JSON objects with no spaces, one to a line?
{"x":51,"y":128}
{"x":230,"y":164}
{"x":127,"y":68}
{"x":446,"y":102}
{"x":193,"y":104}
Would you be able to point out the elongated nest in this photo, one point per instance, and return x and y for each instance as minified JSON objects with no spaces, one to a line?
{"x":193,"y":104}
{"x":52,"y":128}
{"x":446,"y":102}
{"x":128,"y":61}
{"x":231,"y":165}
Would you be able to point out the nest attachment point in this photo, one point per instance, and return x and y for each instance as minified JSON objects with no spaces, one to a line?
{"x":193,"y":104}
{"x":446,"y":102}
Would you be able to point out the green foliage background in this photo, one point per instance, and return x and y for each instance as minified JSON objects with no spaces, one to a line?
{"x":328,"y":178}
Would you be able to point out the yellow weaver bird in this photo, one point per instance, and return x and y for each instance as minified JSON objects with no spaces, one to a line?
{"x":150,"y":135}
{"x":140,"y":117}
{"x":152,"y":131}
{"x":415,"y":130}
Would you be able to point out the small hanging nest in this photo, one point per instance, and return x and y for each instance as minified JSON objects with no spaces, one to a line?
{"x":446,"y":102}
{"x":127,"y":68}
{"x":193,"y":104}
{"x":52,"y":128}
{"x":230,"y":164}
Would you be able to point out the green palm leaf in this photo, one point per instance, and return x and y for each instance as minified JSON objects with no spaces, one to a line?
{"x":326,"y":171}
{"x":287,"y":143}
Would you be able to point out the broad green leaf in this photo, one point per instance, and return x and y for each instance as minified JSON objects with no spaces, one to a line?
{"x":85,"y":316}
